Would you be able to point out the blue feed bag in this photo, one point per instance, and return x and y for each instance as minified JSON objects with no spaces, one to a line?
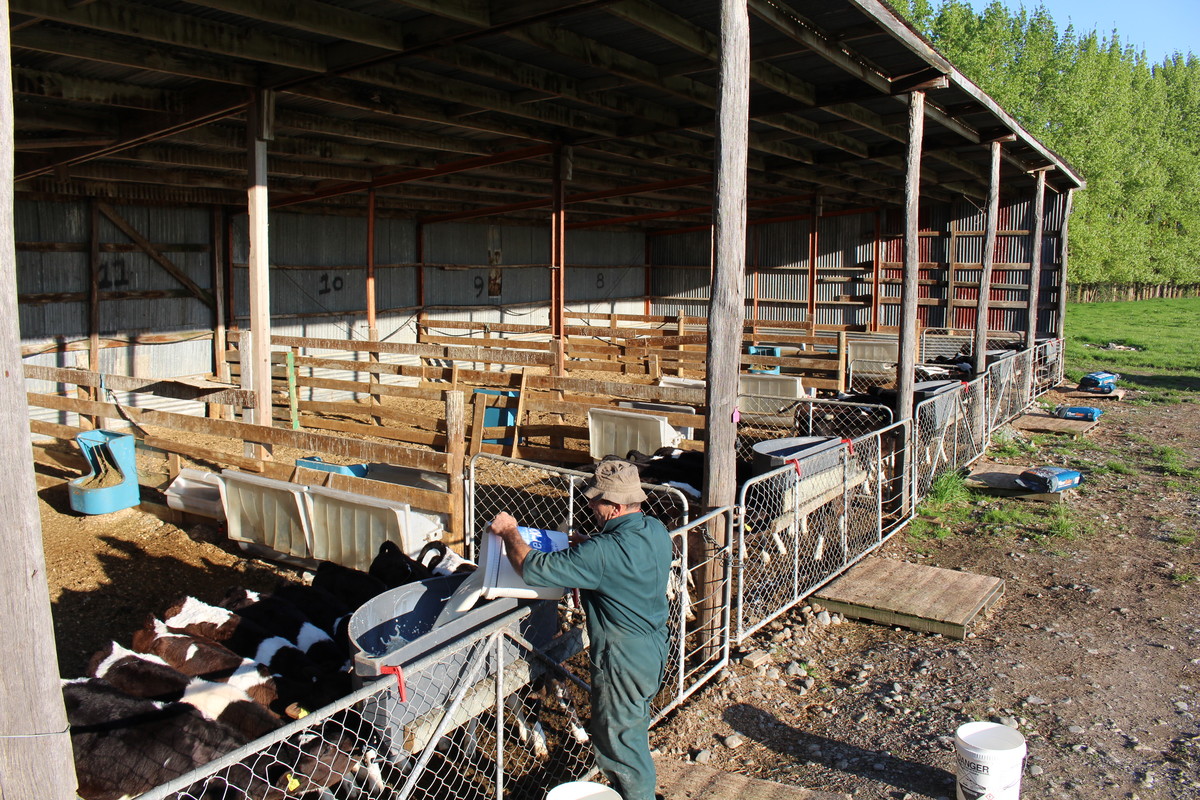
{"x":1099,"y":382}
{"x":1086,"y":413}
{"x":1049,"y":479}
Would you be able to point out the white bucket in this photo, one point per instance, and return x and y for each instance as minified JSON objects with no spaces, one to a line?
{"x":990,"y":761}
{"x":582,"y":790}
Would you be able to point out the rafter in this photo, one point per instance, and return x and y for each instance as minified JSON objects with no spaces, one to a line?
{"x":140,"y":21}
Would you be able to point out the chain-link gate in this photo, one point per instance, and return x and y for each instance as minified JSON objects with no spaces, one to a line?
{"x":863,"y":375}
{"x":552,"y":497}
{"x":1047,"y":366}
{"x":486,"y":716}
{"x":766,"y":418}
{"x":950,"y":431}
{"x":491,"y":716}
{"x":699,"y":591}
{"x":803,"y":523}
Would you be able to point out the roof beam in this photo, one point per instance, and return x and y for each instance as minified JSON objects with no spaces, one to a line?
{"x":140,"y":21}
{"x":315,"y":17}
{"x":39,"y":83}
{"x":140,"y":55}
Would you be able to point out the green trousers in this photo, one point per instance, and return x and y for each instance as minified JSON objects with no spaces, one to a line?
{"x":626,"y":675}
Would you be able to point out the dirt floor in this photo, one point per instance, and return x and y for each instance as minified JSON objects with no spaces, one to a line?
{"x":1091,"y":653}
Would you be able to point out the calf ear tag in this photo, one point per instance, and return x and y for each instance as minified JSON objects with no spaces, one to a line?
{"x":293,"y":783}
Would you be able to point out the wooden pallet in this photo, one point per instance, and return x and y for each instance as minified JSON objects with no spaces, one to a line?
{"x":1075,"y":394}
{"x":678,"y":780}
{"x":922,"y":598}
{"x":1047,"y":423}
{"x":1001,"y":480}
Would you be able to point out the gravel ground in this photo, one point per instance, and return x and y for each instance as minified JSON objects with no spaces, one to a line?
{"x":1091,"y":653}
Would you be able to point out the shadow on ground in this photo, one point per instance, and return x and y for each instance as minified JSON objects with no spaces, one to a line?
{"x":907,"y":776}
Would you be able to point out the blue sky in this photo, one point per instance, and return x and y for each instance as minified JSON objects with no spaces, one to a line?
{"x":1159,"y":26}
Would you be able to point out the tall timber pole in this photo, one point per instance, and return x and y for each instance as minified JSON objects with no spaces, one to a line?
{"x":35,"y":747}
{"x":726,"y":299}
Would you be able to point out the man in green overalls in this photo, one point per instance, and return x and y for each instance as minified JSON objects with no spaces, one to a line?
{"x":622,"y":572}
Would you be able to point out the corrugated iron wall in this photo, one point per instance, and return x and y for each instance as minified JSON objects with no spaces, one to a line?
{"x":488,"y":272}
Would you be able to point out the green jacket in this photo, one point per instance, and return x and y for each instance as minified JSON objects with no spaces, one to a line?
{"x":622,"y":572}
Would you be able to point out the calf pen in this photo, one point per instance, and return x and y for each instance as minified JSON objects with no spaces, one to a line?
{"x":463,"y":737}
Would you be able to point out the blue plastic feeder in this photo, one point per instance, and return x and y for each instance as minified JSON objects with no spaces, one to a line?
{"x":763,"y":350}
{"x":112,"y":483}
{"x":316,"y":462}
{"x":494,"y":417}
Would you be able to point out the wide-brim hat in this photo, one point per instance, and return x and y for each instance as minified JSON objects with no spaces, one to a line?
{"x":617,"y":482}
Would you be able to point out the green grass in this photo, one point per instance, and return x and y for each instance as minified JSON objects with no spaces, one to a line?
{"x":947,"y":505}
{"x":1171,"y":462}
{"x":1011,"y":447}
{"x":1065,"y":524}
{"x":1183,"y":577}
{"x":1183,"y":538}
{"x":1164,"y":330}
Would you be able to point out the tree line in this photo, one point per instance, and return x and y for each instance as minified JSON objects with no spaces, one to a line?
{"x":1129,"y":126}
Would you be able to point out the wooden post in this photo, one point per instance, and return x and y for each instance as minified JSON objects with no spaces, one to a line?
{"x":293,"y":389}
{"x":876,"y":267}
{"x":951,"y":274}
{"x":220,"y":344}
{"x":373,"y":378}
{"x":907,"y":345}
{"x":35,"y":749}
{"x":94,"y":302}
{"x":456,"y":443}
{"x":842,"y":346}
{"x":558,"y":259}
{"x":1035,"y":277}
{"x":989,"y":258}
{"x":262,"y":113}
{"x":1059,"y":327}
{"x":814,"y":254}
{"x":727,"y":306}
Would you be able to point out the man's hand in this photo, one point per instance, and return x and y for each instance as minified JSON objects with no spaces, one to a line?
{"x":505,"y":526}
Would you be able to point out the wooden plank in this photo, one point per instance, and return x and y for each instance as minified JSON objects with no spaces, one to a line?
{"x":435,"y":440}
{"x":475,"y":354}
{"x":363,"y":387}
{"x":418,"y":421}
{"x":207,"y":454}
{"x":1075,"y":394}
{"x":1045,"y":423}
{"x":912,"y":595}
{"x":487,"y":343}
{"x":1001,"y":480}
{"x":179,"y":389}
{"x":340,"y":446}
{"x":148,"y":248}
{"x":681,"y":780}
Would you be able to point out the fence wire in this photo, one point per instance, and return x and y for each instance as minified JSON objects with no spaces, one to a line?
{"x":491,"y":715}
{"x":552,"y":497}
{"x":803,"y":523}
{"x":766,"y":418}
{"x":486,"y":716}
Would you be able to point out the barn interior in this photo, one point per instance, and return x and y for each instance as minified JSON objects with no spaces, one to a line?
{"x":355,"y":246}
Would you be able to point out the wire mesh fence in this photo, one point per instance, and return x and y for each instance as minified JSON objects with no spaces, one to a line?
{"x":491,"y":715}
{"x":486,"y":716}
{"x":763,"y":419}
{"x":698,"y":592}
{"x":552,"y":497}
{"x":805,"y":522}
{"x":863,"y":375}
{"x":950,"y":430}
{"x":1047,"y":366}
